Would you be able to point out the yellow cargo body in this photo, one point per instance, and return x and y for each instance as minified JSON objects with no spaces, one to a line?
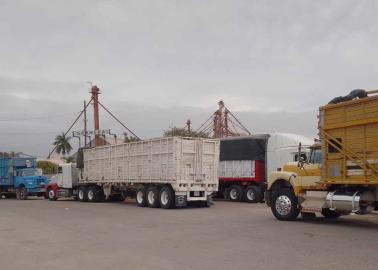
{"x":349,"y":131}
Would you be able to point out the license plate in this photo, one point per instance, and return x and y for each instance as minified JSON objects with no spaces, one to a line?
{"x":196,"y":193}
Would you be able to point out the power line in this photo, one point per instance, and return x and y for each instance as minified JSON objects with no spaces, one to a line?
{"x":69,"y":129}
{"x":115,"y":118}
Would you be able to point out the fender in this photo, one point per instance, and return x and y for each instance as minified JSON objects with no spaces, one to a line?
{"x":20,"y":181}
{"x":54,"y":187}
{"x":290,"y":177}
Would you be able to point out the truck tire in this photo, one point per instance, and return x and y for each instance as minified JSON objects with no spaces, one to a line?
{"x":100,"y":196}
{"x":208,"y":202}
{"x":166,"y":197}
{"x":153,"y":197}
{"x":235,"y":193}
{"x":253,"y":194}
{"x":285,"y":204}
{"x":330,"y":214}
{"x":21,"y":193}
{"x":51,"y":194}
{"x":82,"y":194}
{"x":92,"y":194}
{"x":140,"y":197}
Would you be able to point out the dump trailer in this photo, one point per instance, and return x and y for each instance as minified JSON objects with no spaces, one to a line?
{"x":164,"y":172}
{"x":341,"y":175}
{"x":20,"y":176}
{"x":246,"y":161}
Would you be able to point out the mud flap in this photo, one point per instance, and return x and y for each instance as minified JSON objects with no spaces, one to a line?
{"x":267,"y":197}
{"x":181,"y":200}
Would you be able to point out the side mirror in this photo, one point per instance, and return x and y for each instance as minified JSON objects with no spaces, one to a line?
{"x":301,"y":162}
{"x":301,"y":159}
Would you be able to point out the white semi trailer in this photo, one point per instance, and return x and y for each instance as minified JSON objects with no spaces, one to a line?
{"x":165,"y":172}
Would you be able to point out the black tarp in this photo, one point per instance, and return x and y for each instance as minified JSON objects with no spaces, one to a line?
{"x":243,"y":149}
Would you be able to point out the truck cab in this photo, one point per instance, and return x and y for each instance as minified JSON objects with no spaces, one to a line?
{"x":341,"y":174}
{"x":21,"y":176}
{"x":64,"y":183}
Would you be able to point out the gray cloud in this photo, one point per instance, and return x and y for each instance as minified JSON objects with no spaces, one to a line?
{"x":160,"y":62}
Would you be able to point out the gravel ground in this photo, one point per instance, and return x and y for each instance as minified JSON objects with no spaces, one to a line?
{"x":39,"y":234}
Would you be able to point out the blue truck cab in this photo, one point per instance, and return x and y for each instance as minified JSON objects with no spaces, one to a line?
{"x":21,"y":176}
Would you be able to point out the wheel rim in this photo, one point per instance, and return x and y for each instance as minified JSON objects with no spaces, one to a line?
{"x":81,"y":194}
{"x":251,"y":194}
{"x":164,"y":197}
{"x":51,"y":194}
{"x":283,"y":205}
{"x":233,"y":194}
{"x":151,"y":197}
{"x":140,"y":197}
{"x":90,"y":195}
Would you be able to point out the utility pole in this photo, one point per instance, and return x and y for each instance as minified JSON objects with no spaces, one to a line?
{"x":85,"y":123}
{"x":226,"y":130}
{"x":218,"y":121}
{"x":95,"y":91}
{"x":188,"y":125}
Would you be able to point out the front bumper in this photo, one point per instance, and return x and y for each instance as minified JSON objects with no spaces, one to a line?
{"x":38,"y":190}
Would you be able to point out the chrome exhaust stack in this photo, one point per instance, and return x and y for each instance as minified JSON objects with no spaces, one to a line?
{"x":360,"y":202}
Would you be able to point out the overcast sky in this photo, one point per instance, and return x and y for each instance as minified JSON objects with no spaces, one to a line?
{"x":161,"y":62}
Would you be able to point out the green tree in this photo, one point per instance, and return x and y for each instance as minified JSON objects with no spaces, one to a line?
{"x":70,"y":159}
{"x":184,"y":132}
{"x":131,"y":139}
{"x":62,"y":144}
{"x":47,"y":167}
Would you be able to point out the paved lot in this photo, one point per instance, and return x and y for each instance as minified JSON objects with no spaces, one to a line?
{"x":38,"y":234}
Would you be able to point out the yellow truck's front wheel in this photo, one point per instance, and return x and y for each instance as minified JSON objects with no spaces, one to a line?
{"x":284,"y":204}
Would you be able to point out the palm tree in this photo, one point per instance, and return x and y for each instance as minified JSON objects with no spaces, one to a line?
{"x":62,"y":144}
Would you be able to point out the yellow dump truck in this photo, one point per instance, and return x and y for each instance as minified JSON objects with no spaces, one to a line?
{"x":341,"y":175}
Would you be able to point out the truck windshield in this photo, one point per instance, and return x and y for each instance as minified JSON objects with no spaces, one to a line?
{"x":316,"y":156}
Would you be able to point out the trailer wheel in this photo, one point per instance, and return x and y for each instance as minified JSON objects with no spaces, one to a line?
{"x":235,"y":193}
{"x":285,"y":204}
{"x":100,"y":196}
{"x":208,"y":202}
{"x":153,"y":197}
{"x":21,"y":193}
{"x":92,"y":194}
{"x":330,"y":214}
{"x":141,"y":197}
{"x":82,"y":194}
{"x":166,"y":198}
{"x":51,"y":194}
{"x":252,"y":194}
